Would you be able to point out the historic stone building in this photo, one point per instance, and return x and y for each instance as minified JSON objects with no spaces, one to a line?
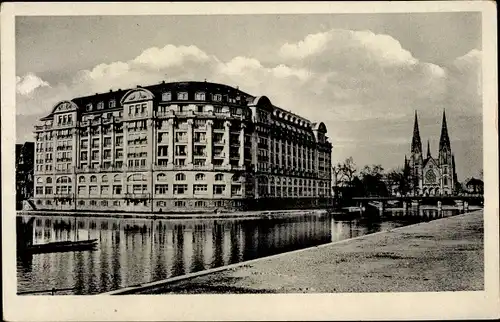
{"x":24,"y":172}
{"x":183,"y":146}
{"x":429,"y":175}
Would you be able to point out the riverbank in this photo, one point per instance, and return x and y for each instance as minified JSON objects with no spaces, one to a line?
{"x":272,"y":214}
{"x":442,"y":255}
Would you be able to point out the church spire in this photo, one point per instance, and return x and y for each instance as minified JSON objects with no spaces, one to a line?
{"x":444,"y":141}
{"x":428,"y":149}
{"x":416,"y":144}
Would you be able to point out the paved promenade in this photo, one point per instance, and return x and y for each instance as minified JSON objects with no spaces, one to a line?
{"x":442,"y":255}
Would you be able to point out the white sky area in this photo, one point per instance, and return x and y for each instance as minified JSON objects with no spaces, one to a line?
{"x":364,"y":75}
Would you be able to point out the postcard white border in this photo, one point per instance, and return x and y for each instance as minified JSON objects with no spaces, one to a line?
{"x":366,"y":306}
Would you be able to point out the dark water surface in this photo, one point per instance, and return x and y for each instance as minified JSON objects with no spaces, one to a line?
{"x":135,"y":251}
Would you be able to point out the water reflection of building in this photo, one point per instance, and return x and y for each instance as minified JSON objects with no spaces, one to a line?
{"x":133,"y":251}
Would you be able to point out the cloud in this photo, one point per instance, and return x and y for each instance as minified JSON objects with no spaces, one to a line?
{"x":27,"y":84}
{"x":339,"y":77}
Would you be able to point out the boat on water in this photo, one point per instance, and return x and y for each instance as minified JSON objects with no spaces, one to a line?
{"x":64,"y":246}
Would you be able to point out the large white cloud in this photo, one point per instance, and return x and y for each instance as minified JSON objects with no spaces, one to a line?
{"x":25,"y":85}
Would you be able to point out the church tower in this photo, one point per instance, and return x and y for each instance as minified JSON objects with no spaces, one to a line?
{"x":446,"y":160}
{"x":416,"y":160}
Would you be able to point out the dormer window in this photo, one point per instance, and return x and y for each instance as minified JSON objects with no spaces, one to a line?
{"x":200,"y":96}
{"x":217,"y":97}
{"x":167,"y":96}
{"x":182,"y":96}
{"x":89,"y":107}
{"x":100,"y":105}
{"x":112,"y":104}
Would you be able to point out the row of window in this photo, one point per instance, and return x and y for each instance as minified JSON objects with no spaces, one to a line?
{"x":198,"y":96}
{"x":100,"y":105}
{"x":117,"y":203}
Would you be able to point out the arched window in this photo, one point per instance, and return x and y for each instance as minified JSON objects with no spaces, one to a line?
{"x":104,"y":178}
{"x":93,"y":179}
{"x":219,"y":177}
{"x":236,"y":177}
{"x":161,"y":177}
{"x":180,"y":177}
{"x":116,"y":178}
{"x":199,"y":177}
{"x":136,"y":177}
{"x":49,"y":180}
{"x":81,"y":179}
{"x":63,"y":180}
{"x":295,"y":181}
{"x":39,"y":180}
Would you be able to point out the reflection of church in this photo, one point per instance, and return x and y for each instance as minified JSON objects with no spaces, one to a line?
{"x":431,"y":176}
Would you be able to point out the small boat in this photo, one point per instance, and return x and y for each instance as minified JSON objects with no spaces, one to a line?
{"x":64,"y":246}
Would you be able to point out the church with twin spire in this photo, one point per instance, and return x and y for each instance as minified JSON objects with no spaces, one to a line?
{"x":431,"y":176}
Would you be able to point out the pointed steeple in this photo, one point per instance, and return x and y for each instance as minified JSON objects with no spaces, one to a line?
{"x":444,"y":141}
{"x":428,"y":149}
{"x":416,"y":144}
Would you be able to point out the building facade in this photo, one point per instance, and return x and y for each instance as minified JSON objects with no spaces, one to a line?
{"x":174,"y":147}
{"x":24,"y":172}
{"x":431,"y":176}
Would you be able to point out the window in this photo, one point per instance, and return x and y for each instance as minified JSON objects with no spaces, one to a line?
{"x":236,"y":189}
{"x":182,"y":96}
{"x":119,"y":140}
{"x":89,"y":107}
{"x":219,"y":189}
{"x":167,"y":96}
{"x":161,"y":189}
{"x":116,"y":203}
{"x":48,"y":202}
{"x":100,"y":105}
{"x":161,"y":177}
{"x":116,"y":178}
{"x":81,"y":203}
{"x":93,"y":203}
{"x":117,"y":190}
{"x":200,"y":204}
{"x":180,"y":189}
{"x":82,"y":190}
{"x":93,"y":190}
{"x":104,"y":202}
{"x":107,"y":141}
{"x":49,"y":180}
{"x":112,"y":104}
{"x":161,"y":203}
{"x":180,"y":177}
{"x":180,"y":204}
{"x":104,"y":190}
{"x":199,"y":177}
{"x":199,"y":189}
{"x":219,"y":177}
{"x":180,"y":150}
{"x":48,"y":190}
{"x":217,"y":97}
{"x":104,"y":178}
{"x":200,"y":96}
{"x":93,"y":179}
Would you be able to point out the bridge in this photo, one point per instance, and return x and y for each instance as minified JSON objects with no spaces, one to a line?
{"x":462,"y":201}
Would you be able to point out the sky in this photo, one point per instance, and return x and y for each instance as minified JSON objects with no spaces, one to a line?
{"x":363,"y":75}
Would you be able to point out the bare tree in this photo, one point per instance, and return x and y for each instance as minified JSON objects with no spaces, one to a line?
{"x":348,"y":171}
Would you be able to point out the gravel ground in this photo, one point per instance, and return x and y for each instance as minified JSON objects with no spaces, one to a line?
{"x":442,"y":255}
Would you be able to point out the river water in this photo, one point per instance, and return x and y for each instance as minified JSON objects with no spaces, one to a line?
{"x":135,"y":251}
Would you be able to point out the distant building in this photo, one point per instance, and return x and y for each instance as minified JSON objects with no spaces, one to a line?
{"x":25,"y":154}
{"x":183,"y":146}
{"x":431,"y":176}
{"x":475,"y":186}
